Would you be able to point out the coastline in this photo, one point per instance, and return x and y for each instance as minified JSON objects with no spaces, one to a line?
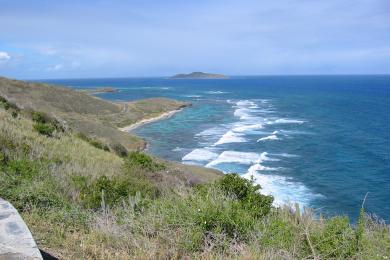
{"x":149,"y":120}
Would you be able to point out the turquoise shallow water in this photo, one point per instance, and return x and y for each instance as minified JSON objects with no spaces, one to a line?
{"x":322,"y":141}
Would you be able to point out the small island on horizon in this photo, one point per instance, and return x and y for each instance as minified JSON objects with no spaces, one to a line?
{"x":199,"y":75}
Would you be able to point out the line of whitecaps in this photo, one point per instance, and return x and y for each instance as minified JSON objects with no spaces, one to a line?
{"x":253,"y":118}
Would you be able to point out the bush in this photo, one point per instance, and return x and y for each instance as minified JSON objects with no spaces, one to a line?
{"x":113,"y":189}
{"x":249,"y":194}
{"x":143,"y":161}
{"x":3,"y":159}
{"x":39,"y":117}
{"x":22,"y":169}
{"x":218,"y":214}
{"x":96,"y":143}
{"x":226,"y":217}
{"x":44,"y":129}
{"x":7,"y":105}
{"x":24,"y":185}
{"x":44,"y":124}
{"x":336,"y":240}
{"x":278,"y":233}
{"x":38,"y":194}
{"x":119,"y":150}
{"x":14,"y":114}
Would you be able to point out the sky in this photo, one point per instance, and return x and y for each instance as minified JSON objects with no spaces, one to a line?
{"x":80,"y":39}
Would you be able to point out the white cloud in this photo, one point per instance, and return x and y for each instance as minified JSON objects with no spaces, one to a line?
{"x":55,"y":67}
{"x":4,"y":56}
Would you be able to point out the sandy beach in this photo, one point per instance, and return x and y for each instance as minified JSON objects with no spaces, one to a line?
{"x":149,"y":120}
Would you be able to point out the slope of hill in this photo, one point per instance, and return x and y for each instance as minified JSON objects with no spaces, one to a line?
{"x":84,"y":113}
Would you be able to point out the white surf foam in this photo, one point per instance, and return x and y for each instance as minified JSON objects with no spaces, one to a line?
{"x":212,"y":131}
{"x":258,"y":167}
{"x":287,"y":121}
{"x":267,"y":138}
{"x":242,"y":113}
{"x":200,"y":154}
{"x":150,"y":87}
{"x":245,"y":158}
{"x":215,"y":92}
{"x":295,"y":132}
{"x":193,"y":96}
{"x":245,"y":128}
{"x":283,"y":189}
{"x":230,"y":137}
{"x":287,"y":155}
{"x":245,"y":103}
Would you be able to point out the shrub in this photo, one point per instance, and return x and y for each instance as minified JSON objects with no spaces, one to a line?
{"x":45,"y":125}
{"x":99,"y":145}
{"x":143,"y":161}
{"x":336,"y":239}
{"x":96,"y":143}
{"x":119,"y":150}
{"x":113,"y":189}
{"x":7,"y":105}
{"x":3,"y":159}
{"x":24,"y":184}
{"x":39,"y":194}
{"x":218,"y":214}
{"x":44,"y":129}
{"x":39,"y":117}
{"x":22,"y":169}
{"x":227,"y":217}
{"x":278,"y":233}
{"x":249,"y":194}
{"x":14,"y":114}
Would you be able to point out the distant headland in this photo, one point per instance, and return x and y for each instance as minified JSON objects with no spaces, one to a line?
{"x":199,"y":75}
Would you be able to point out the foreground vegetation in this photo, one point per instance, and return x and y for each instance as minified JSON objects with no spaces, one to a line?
{"x":84,"y":200}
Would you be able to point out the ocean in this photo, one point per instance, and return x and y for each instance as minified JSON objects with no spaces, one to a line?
{"x":320,"y":141}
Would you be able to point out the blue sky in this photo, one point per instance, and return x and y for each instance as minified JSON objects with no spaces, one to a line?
{"x":75,"y":39}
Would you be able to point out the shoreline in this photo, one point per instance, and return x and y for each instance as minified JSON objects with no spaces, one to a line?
{"x":143,"y":122}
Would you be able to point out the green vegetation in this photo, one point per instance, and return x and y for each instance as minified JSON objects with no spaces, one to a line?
{"x":119,"y":150}
{"x":84,"y":202}
{"x":94,"y":142}
{"x":44,"y":124}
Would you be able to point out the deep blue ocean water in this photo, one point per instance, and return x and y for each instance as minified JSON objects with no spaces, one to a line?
{"x":322,"y":141}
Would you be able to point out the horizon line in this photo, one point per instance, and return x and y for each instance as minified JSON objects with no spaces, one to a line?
{"x":232,"y":76}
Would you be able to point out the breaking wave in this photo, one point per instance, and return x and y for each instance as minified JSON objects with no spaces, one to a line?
{"x":201,"y":155}
{"x":254,"y":117}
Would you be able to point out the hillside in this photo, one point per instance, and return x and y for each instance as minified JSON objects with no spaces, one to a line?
{"x":84,"y":113}
{"x":84,"y":201}
{"x":199,"y":75}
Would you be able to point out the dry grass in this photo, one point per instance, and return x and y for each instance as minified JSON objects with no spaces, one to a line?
{"x":87,"y":114}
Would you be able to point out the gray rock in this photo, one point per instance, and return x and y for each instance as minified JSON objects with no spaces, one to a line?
{"x":16,"y":241}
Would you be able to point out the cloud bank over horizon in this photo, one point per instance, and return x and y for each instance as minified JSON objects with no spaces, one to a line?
{"x":49,"y":39}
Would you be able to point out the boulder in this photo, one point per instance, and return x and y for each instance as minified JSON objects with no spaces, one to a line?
{"x":16,"y":241}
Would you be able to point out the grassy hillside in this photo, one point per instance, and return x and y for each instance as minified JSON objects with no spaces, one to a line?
{"x":89,"y":115}
{"x":82,"y":201}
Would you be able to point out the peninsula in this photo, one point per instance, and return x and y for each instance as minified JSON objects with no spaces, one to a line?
{"x":84,"y":113}
{"x":199,"y":75}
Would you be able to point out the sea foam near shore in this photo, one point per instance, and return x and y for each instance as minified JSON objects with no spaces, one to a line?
{"x":254,"y":117}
